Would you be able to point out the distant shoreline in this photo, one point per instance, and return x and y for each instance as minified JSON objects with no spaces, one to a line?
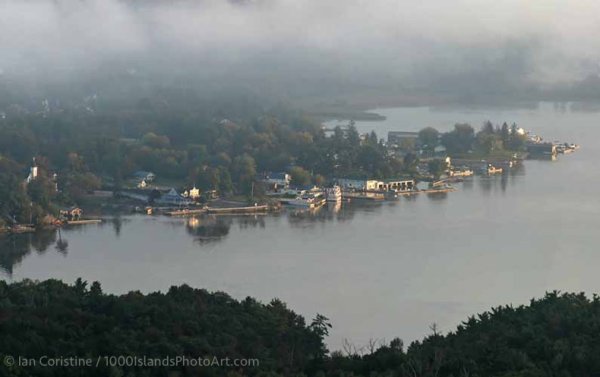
{"x":346,"y":115}
{"x":364,"y":109}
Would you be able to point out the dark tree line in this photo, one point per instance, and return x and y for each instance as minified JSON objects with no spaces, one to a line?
{"x":90,"y":150}
{"x":558,"y":335}
{"x":463,"y":139}
{"x":53,"y":319}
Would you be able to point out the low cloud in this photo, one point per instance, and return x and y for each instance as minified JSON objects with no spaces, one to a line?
{"x":427,"y":45}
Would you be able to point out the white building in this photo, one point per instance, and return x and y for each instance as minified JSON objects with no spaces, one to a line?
{"x":33,"y":173}
{"x":278,"y":180}
{"x":194,"y":193}
{"x":376,"y":185}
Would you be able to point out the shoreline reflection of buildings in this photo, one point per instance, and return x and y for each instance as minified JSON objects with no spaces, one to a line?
{"x":207,"y":228}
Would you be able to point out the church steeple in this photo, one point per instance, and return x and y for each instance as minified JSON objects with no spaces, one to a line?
{"x":33,"y":172}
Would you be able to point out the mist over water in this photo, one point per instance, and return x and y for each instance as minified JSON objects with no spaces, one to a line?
{"x":461,"y":49}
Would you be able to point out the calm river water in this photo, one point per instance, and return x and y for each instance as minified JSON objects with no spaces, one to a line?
{"x":377,"y":271}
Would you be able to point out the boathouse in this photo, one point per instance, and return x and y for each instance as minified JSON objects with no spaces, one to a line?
{"x":376,"y":185}
{"x":541,"y":149}
{"x":276,"y":180}
{"x":173,"y":198}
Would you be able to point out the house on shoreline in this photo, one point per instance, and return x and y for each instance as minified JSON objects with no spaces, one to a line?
{"x":376,"y":185}
{"x":173,"y":198}
{"x":276,"y":181}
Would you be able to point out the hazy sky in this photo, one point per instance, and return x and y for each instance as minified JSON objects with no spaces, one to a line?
{"x":409,"y":42}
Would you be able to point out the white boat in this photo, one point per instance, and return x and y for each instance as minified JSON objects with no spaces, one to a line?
{"x":306,"y":201}
{"x":464,"y":172}
{"x":333,"y":194}
{"x":491,"y":169}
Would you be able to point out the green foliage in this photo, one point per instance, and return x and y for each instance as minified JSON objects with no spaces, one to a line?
{"x":459,"y":140}
{"x":516,"y":142}
{"x":156,"y":141}
{"x":300,"y":177}
{"x":558,"y":335}
{"x":14,"y":200}
{"x":216,"y":144}
{"x":429,"y":139}
{"x":244,"y":168}
{"x":411,"y":161}
{"x":89,"y":150}
{"x":54,"y":319}
{"x":76,"y":180}
{"x":437,"y":167}
{"x":488,"y":141}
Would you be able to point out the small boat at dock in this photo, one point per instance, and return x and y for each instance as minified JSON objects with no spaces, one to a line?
{"x":333,"y":194}
{"x":490,"y":169}
{"x":462,"y":172}
{"x":368,"y":196}
{"x":308,"y":200}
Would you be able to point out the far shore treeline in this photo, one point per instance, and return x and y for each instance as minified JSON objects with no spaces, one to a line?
{"x":91,"y":148}
{"x":557,"y":335}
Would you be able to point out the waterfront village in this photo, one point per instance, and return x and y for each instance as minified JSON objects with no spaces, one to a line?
{"x":435,"y":172}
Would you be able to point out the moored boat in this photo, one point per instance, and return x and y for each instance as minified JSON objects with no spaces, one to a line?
{"x":309,"y":200}
{"x":491,"y":169}
{"x":333,"y":194}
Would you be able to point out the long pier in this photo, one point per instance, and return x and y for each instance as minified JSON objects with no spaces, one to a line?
{"x":249,"y":209}
{"x":381,"y":197}
{"x":83,"y":222}
{"x":427,"y":191}
{"x":186,"y":212}
{"x":17,"y":230}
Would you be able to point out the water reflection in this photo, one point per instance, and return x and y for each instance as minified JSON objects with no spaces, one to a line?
{"x":210,"y":229}
{"x":437,"y":196}
{"x":207,"y":229}
{"x":14,"y":248}
{"x":493,"y":183}
{"x":62,"y":244}
{"x":339,"y":212}
{"x":116,"y":222}
{"x":252,"y":221}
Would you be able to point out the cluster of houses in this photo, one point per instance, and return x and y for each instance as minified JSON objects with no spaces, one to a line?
{"x":546,"y":149}
{"x":145,"y":191}
{"x":144,"y":178}
{"x":408,"y":141}
{"x":168,"y":196}
{"x":34,"y":173}
{"x":280,"y":182}
{"x":376,"y":185}
{"x":276,"y":181}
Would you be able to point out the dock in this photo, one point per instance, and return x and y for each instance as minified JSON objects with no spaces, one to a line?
{"x":428,"y":191}
{"x":362,"y":196}
{"x":17,"y":230}
{"x":83,"y":222}
{"x":186,"y":212}
{"x":248,"y":209}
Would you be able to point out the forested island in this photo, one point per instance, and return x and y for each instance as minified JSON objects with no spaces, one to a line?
{"x":557,"y":335}
{"x":92,"y":146}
